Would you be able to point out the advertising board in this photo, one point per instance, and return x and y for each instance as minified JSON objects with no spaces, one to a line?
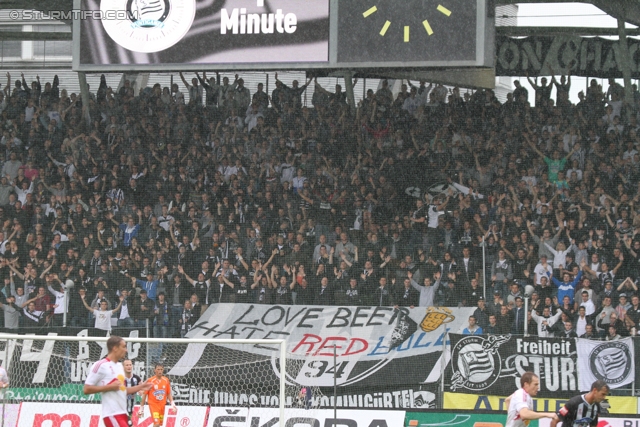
{"x":69,"y":415}
{"x":47,"y":414}
{"x":618,"y":404}
{"x":471,"y":419}
{"x":630,"y":421}
{"x":249,"y":417}
{"x":457,"y":419}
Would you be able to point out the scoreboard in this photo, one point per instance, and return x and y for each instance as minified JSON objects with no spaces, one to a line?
{"x":125,"y":35}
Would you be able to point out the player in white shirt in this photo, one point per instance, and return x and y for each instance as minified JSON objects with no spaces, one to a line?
{"x":107,"y":377}
{"x":520,"y":403}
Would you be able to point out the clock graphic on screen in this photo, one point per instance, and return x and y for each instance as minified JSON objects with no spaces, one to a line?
{"x":407,"y":30}
{"x":147,"y":25}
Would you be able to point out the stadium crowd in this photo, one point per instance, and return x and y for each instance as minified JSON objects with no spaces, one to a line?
{"x":162,"y":204}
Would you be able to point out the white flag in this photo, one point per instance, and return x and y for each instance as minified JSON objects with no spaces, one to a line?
{"x":610,"y":361}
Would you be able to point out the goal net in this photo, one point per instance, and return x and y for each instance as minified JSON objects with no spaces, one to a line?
{"x":211,"y":380}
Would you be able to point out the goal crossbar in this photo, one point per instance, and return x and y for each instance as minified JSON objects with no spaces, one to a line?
{"x":280,"y":342}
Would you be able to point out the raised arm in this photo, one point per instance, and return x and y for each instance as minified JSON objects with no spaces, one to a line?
{"x":573,"y":150}
{"x":91,"y":310}
{"x":228,"y":282}
{"x":386,"y":261}
{"x":551,"y":249}
{"x":15,"y":270}
{"x":273,"y":254}
{"x":624,"y":283}
{"x":44,"y":273}
{"x":186,"y":276}
{"x":444,"y":204}
{"x":617,"y":267}
{"x":305,"y":198}
{"x":585,"y":267}
{"x":507,"y":253}
{"x":415,"y":285}
{"x":203,"y":81}
{"x":119,"y":305}
{"x":187,"y":85}
{"x":256,"y":279}
{"x":173,"y":235}
{"x":304,"y":86}
{"x":318,"y":87}
{"x":627,"y":243}
{"x":292,"y":286}
{"x":438,"y":276}
{"x":26,"y":303}
{"x":343,"y":257}
{"x":533,"y":146}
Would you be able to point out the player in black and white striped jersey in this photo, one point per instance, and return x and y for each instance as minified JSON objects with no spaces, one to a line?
{"x":130,"y":380}
{"x":583,"y":410}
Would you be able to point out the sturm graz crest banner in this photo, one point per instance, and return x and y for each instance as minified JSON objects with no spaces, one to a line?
{"x":494,"y":364}
{"x":478,"y":362}
{"x":610,"y":361}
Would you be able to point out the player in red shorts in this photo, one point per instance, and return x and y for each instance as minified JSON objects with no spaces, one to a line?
{"x":158,"y":396}
{"x":107,"y":377}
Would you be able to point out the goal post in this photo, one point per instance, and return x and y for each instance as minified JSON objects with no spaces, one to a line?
{"x":47,"y":374}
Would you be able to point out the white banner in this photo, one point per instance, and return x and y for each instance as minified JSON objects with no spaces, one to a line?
{"x":43,"y":414}
{"x":247,"y":417}
{"x":368,"y":333}
{"x":610,"y":361}
{"x":369,"y":338}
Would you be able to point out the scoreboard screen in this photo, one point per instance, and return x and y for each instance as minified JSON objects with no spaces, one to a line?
{"x":125,"y":35}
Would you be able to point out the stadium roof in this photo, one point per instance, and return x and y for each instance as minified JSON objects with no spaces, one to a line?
{"x":43,"y":5}
{"x":629,"y":10}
